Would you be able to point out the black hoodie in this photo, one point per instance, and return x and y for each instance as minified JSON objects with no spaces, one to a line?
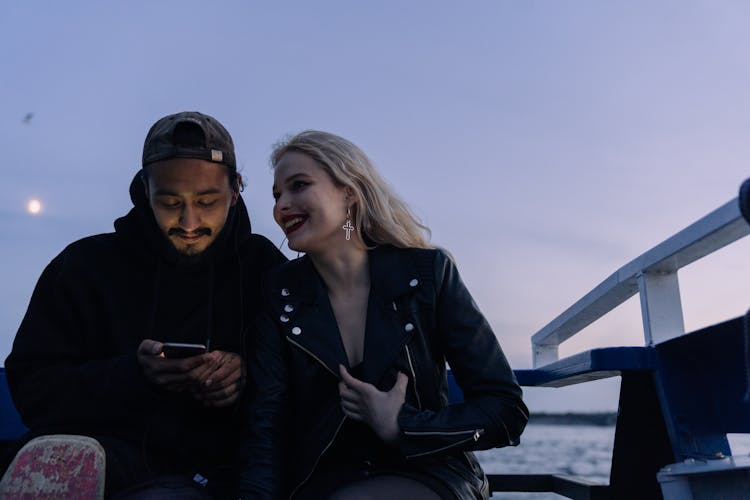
{"x":73,"y":366}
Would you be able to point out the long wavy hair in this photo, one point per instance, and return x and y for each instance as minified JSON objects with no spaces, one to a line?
{"x":380,"y":216}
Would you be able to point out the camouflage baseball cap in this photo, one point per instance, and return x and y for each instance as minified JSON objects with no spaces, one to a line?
{"x":189,"y":134}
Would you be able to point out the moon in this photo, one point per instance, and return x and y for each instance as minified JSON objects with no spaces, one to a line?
{"x":34,"y":206}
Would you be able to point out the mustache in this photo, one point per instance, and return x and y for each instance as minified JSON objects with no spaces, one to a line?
{"x":201,"y":231}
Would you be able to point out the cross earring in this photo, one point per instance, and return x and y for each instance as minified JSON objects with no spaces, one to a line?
{"x":348,"y":227}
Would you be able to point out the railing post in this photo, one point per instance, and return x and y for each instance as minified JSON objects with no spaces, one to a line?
{"x":661,"y":307}
{"x":543,"y":354}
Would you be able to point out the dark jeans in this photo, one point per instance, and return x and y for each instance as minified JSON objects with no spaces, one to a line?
{"x":173,"y":487}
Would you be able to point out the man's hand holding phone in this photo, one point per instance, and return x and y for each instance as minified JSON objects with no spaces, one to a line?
{"x":215,"y":378}
{"x":179,"y":350}
{"x":173,"y":374}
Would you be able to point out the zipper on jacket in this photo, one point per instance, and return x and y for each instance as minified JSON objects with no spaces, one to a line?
{"x":313,"y":356}
{"x":413,"y":376}
{"x":315,"y":465}
{"x":526,"y":415}
{"x":507,"y":432}
{"x":475,"y":435}
{"x":334,"y":434}
{"x":476,"y":432}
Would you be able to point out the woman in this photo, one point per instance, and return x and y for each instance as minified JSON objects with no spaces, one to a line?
{"x":349,"y":364}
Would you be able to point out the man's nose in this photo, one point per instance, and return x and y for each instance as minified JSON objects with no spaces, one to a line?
{"x":189,"y":219}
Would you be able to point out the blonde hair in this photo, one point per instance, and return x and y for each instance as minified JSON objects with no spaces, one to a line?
{"x":380,"y":216}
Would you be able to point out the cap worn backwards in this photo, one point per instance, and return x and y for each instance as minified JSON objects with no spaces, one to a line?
{"x":189,"y":134}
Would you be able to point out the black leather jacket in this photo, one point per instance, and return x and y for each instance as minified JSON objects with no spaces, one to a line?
{"x":419,"y":316}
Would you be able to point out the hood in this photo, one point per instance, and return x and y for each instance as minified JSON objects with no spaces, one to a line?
{"x":140,"y":232}
{"x":179,"y":280}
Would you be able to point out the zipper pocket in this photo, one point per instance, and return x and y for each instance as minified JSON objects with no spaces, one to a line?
{"x":476,"y":434}
{"x":413,"y":377}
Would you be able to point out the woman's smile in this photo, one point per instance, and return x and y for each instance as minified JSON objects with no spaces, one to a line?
{"x":291,"y":223}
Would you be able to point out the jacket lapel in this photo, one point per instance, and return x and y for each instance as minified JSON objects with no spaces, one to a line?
{"x":311,"y":324}
{"x":308,"y":321}
{"x":392,"y":275}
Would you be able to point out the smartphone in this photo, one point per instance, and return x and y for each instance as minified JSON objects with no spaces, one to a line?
{"x":179,"y":350}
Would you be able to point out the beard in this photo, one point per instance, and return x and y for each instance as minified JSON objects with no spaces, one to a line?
{"x":188,"y":253}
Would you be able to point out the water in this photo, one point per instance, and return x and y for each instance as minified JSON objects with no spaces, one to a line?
{"x":579,"y":450}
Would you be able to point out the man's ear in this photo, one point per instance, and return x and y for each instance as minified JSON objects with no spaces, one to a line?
{"x":144,"y":180}
{"x":236,"y":188}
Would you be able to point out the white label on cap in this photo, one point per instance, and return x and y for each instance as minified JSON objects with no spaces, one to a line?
{"x":217,"y":155}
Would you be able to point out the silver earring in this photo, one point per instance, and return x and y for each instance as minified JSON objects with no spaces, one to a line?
{"x":348,"y":228}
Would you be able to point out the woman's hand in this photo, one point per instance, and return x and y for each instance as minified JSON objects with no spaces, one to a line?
{"x":363,"y":402}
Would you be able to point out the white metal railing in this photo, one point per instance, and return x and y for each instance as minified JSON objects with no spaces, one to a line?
{"x":654,"y":276}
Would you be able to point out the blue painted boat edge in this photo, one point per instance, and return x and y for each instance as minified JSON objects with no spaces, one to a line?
{"x":11,"y":426}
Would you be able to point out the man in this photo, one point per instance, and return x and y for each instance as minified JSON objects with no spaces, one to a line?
{"x":182,"y":266}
